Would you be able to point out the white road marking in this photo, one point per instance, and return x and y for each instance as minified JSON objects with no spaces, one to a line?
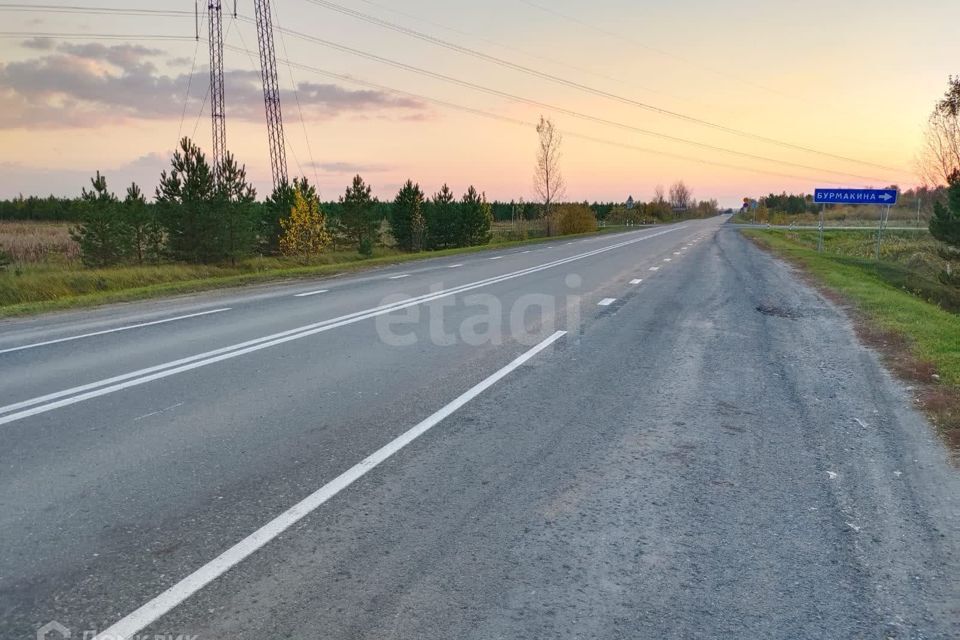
{"x":676,"y":253}
{"x":158,"y":412}
{"x":654,"y":268}
{"x":861,"y":423}
{"x":310,"y":293}
{"x":527,"y":251}
{"x":831,"y":474}
{"x":454,"y":266}
{"x":667,"y":259}
{"x":106,"y":331}
{"x":404,"y":275}
{"x":606,"y":302}
{"x":168,"y":600}
{"x":636,"y":281}
{"x":91,"y":390}
{"x":496,"y":257}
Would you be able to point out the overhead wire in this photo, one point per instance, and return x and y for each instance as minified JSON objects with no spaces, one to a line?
{"x":506,"y":95}
{"x":370,"y":19}
{"x":566,"y":111}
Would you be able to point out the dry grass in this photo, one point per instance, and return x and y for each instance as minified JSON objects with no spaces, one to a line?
{"x":38,"y":242}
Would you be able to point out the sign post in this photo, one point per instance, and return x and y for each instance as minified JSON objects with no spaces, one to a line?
{"x":881,"y":197}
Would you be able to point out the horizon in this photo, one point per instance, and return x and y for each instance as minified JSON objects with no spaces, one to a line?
{"x":72,"y":106}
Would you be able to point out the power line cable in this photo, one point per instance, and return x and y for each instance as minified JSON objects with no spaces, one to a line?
{"x":499,"y":117}
{"x":72,"y":9}
{"x":579,"y":86}
{"x":563,"y":110}
{"x":444,"y":103}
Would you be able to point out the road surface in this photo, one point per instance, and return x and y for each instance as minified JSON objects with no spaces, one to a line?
{"x":655,"y":434}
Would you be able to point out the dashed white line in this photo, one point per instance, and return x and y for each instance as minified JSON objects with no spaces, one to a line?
{"x":496,"y":257}
{"x":527,"y":251}
{"x":307,"y":294}
{"x":654,"y":268}
{"x":667,"y":259}
{"x":454,"y":266}
{"x":404,"y":275}
{"x":67,"y":397}
{"x":676,"y":253}
{"x":606,"y":302}
{"x":636,"y":281}
{"x":106,"y":331}
{"x":162,"y":604}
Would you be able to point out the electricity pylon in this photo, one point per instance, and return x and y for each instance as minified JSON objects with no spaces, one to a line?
{"x":217,"y":114}
{"x":271,"y":92}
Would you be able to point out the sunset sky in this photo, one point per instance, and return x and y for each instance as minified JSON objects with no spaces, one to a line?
{"x":842,"y":78}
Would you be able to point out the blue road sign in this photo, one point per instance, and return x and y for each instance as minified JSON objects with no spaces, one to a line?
{"x":855,"y":196}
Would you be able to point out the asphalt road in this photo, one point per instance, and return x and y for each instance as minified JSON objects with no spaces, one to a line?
{"x":421,"y":452}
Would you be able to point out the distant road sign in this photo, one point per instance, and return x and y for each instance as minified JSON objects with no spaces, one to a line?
{"x":855,"y":196}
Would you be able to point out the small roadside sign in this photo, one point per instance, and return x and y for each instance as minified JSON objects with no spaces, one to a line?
{"x":885,"y":197}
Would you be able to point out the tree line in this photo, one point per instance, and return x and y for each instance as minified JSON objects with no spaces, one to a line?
{"x":206,"y":214}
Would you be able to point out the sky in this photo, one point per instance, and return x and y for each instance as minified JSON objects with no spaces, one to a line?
{"x":737,"y":98}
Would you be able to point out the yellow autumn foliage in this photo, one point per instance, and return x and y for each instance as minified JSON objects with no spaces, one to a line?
{"x":305,"y":230}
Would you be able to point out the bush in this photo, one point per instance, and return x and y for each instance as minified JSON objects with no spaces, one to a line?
{"x":576,"y":218}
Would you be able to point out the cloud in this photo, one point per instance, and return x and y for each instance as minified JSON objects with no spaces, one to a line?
{"x":92,"y":84}
{"x":144,"y":170}
{"x":348,"y":167}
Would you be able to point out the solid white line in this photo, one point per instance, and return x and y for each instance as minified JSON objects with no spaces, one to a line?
{"x":310,"y":293}
{"x":606,"y":302}
{"x":106,"y":331}
{"x":636,"y":281}
{"x":654,"y":268}
{"x":99,"y":388}
{"x":175,"y":595}
{"x":405,"y":275}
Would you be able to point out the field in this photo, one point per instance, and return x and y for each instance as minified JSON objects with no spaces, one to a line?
{"x":864,"y":216}
{"x":44,"y":270}
{"x":899,"y":307}
{"x":38,"y":242}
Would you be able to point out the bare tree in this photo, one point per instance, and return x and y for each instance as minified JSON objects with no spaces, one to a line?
{"x":940,"y":155}
{"x":547,"y":179}
{"x":680,"y":196}
{"x":658,"y":195}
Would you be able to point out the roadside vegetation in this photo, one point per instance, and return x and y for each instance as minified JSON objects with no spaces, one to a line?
{"x":907,"y":304}
{"x":203,"y":226}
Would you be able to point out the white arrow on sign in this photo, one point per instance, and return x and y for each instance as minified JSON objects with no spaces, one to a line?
{"x":886,"y":196}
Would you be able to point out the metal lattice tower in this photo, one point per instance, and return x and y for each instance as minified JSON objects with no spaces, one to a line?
{"x":271,"y":92}
{"x":217,"y":113}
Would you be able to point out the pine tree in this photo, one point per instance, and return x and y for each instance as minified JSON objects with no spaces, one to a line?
{"x":406,"y":217}
{"x":304,"y":230}
{"x":441,"y":219}
{"x":358,"y":215}
{"x":102,"y":233}
{"x":945,"y":227}
{"x":138,"y":220}
{"x":476,"y":219}
{"x":234,"y":208}
{"x":185,"y":198}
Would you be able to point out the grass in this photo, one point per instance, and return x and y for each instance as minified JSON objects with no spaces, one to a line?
{"x":58,"y":283}
{"x":919,"y":338}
